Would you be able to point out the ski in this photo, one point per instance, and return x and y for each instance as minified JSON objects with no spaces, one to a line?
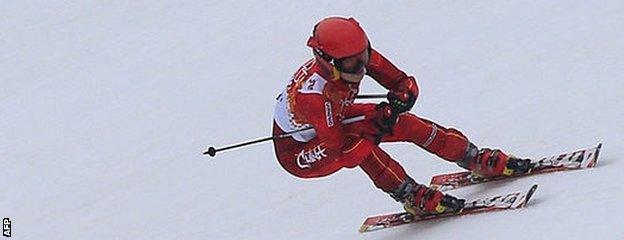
{"x":512,"y":200}
{"x":584,"y":158}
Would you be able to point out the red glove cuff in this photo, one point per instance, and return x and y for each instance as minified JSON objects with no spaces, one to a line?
{"x":407,"y":86}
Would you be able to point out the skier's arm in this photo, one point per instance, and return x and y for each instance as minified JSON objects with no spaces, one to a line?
{"x":403,"y":88}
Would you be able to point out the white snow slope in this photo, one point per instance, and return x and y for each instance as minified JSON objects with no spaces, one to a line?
{"x":106,"y":106}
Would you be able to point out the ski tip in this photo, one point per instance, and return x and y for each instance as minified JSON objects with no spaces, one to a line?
{"x":533,"y":188}
{"x":598,"y":150}
{"x":530,"y":193}
{"x":594,"y":161}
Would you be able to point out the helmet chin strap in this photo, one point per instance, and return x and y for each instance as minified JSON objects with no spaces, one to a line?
{"x":335,"y":72}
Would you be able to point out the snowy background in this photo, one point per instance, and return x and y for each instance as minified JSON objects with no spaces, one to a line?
{"x":106,"y":106}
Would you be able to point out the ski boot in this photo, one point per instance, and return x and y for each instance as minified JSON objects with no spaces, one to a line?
{"x":419,"y":200}
{"x":517,"y":166}
{"x":493,"y":162}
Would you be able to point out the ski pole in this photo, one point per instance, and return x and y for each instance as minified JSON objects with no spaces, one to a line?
{"x":370,"y":96}
{"x":212,"y":151}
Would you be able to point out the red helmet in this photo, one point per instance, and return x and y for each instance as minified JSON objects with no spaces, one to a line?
{"x":338,"y":37}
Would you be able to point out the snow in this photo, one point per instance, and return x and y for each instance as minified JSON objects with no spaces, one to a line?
{"x":106,"y":106}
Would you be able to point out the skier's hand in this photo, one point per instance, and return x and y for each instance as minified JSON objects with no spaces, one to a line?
{"x":384,"y":120}
{"x":401,"y":101}
{"x":403,"y":98}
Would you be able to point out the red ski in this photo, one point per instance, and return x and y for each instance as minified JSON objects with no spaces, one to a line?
{"x":584,"y":158}
{"x":488,"y":204}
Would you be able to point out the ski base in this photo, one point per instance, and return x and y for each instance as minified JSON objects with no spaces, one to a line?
{"x":488,"y":204}
{"x":584,"y":158}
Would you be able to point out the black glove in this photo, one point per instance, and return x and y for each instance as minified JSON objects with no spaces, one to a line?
{"x":384,"y":119}
{"x":401,"y":101}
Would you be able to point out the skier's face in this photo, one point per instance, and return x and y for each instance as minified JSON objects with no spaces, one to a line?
{"x":354,"y":64}
{"x":352,"y":69}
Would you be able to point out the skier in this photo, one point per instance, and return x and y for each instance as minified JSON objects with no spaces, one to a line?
{"x":321,"y":94}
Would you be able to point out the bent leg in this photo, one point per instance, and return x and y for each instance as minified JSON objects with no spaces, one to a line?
{"x":390,"y":177}
{"x":448,"y":143}
{"x":452,"y":145}
{"x":386,"y":173}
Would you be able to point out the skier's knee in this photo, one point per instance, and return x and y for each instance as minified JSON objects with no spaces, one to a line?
{"x":357,"y":151}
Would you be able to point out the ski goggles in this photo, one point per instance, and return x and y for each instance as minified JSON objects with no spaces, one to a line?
{"x":354,"y":64}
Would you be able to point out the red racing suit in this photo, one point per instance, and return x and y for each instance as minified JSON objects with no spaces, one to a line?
{"x":316,"y":97}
